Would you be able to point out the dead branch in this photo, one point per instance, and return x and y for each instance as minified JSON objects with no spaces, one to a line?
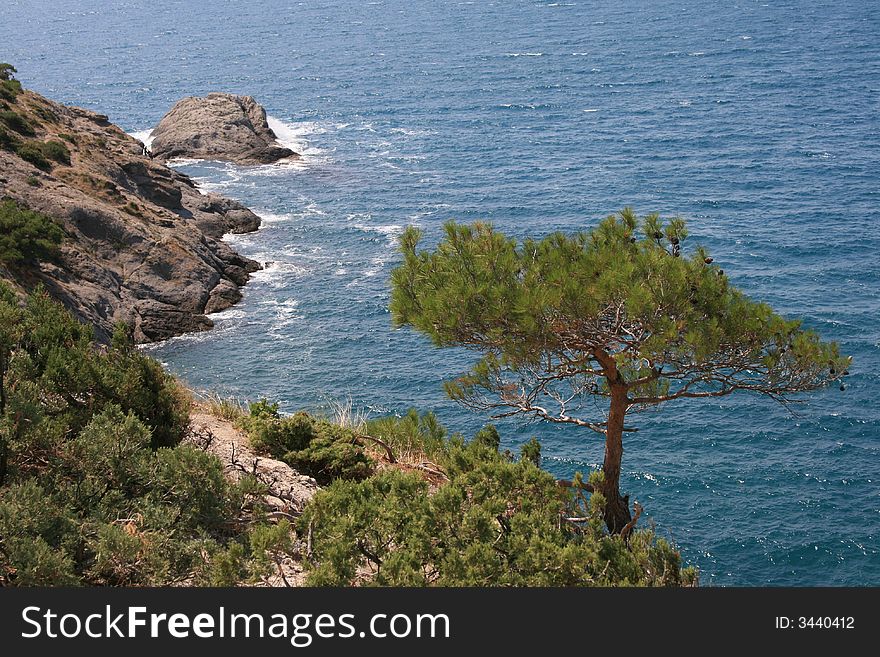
{"x":624,"y":533}
{"x":381,"y":443}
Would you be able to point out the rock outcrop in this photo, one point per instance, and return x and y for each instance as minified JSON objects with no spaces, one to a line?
{"x":218,"y":127}
{"x":142,"y":245}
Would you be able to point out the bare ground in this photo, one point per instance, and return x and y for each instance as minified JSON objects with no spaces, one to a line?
{"x":289,"y":490}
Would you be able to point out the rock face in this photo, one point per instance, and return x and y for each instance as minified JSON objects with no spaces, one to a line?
{"x":218,"y":127}
{"x":142,"y":244}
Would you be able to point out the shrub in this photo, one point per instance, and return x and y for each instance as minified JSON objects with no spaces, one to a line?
{"x":87,"y":495}
{"x":16,"y":122}
{"x":27,"y":235}
{"x":411,"y":433}
{"x":531,"y":451}
{"x":9,"y":89}
{"x":7,"y":72}
{"x":313,"y":446}
{"x":133,"y":209}
{"x":277,"y":436}
{"x":495,"y":523}
{"x":7,"y":141}
{"x":191,"y":484}
{"x":55,"y":150}
{"x":40,"y":153}
{"x":332,"y":453}
{"x":45,"y":113}
{"x":263,"y":409}
{"x":9,"y":86}
{"x":32,"y":152}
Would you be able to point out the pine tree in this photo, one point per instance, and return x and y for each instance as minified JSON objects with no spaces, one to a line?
{"x":617,"y":312}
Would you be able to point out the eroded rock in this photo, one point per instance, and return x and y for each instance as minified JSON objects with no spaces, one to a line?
{"x":218,"y":126}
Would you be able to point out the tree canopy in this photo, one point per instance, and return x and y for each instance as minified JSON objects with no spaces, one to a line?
{"x":618,"y":312}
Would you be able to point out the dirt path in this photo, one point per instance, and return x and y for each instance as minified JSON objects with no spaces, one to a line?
{"x":289,"y":490}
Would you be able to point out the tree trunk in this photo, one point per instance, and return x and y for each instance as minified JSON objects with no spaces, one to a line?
{"x":616,"y":512}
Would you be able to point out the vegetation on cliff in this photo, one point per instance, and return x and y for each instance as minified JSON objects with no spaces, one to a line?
{"x":115,"y":206}
{"x":473,"y":517}
{"x":26,"y":235}
{"x":409,"y":505}
{"x":97,"y":488}
{"x":618,"y":312}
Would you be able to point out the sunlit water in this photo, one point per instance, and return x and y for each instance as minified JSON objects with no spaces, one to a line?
{"x":758,"y":122}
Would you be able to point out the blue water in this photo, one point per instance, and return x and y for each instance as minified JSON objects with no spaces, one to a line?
{"x":756,"y":121}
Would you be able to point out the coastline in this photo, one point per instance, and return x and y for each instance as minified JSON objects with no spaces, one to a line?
{"x":142,"y":243}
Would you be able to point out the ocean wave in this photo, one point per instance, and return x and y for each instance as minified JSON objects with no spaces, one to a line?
{"x":271,"y":217}
{"x":145,"y":136}
{"x":277,"y":274}
{"x":295,"y":137}
{"x":412,"y":132}
{"x":184,"y":161}
{"x":390,"y":231}
{"x":229,"y":313}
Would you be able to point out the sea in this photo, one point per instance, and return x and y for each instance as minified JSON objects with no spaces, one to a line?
{"x":755,"y":120}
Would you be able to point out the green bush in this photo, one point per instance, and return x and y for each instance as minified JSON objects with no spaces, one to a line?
{"x":410,"y":433}
{"x":7,"y":141}
{"x":42,"y":153}
{"x":495,"y":523}
{"x":32,"y":152}
{"x":531,"y":451}
{"x":7,"y":72}
{"x":55,"y":150}
{"x":9,"y":89}
{"x":94,"y":488}
{"x":313,"y":446}
{"x":27,"y":235}
{"x":9,"y":86}
{"x":16,"y":122}
{"x":263,"y":408}
{"x":332,"y":453}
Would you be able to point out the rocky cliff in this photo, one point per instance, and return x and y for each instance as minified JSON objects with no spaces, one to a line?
{"x":142,"y":244}
{"x":218,"y":127}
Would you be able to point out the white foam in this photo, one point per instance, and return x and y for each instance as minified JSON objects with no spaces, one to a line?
{"x":390,"y":231}
{"x":271,"y":217}
{"x":145,"y":136}
{"x":591,"y":110}
{"x":277,"y":274}
{"x":184,"y":162}
{"x":524,"y":54}
{"x":284,"y":313}
{"x":229,"y":313}
{"x":411,"y":132}
{"x":377,"y":264}
{"x":295,"y":137}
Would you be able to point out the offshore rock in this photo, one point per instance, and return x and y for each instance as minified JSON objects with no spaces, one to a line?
{"x":218,"y":127}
